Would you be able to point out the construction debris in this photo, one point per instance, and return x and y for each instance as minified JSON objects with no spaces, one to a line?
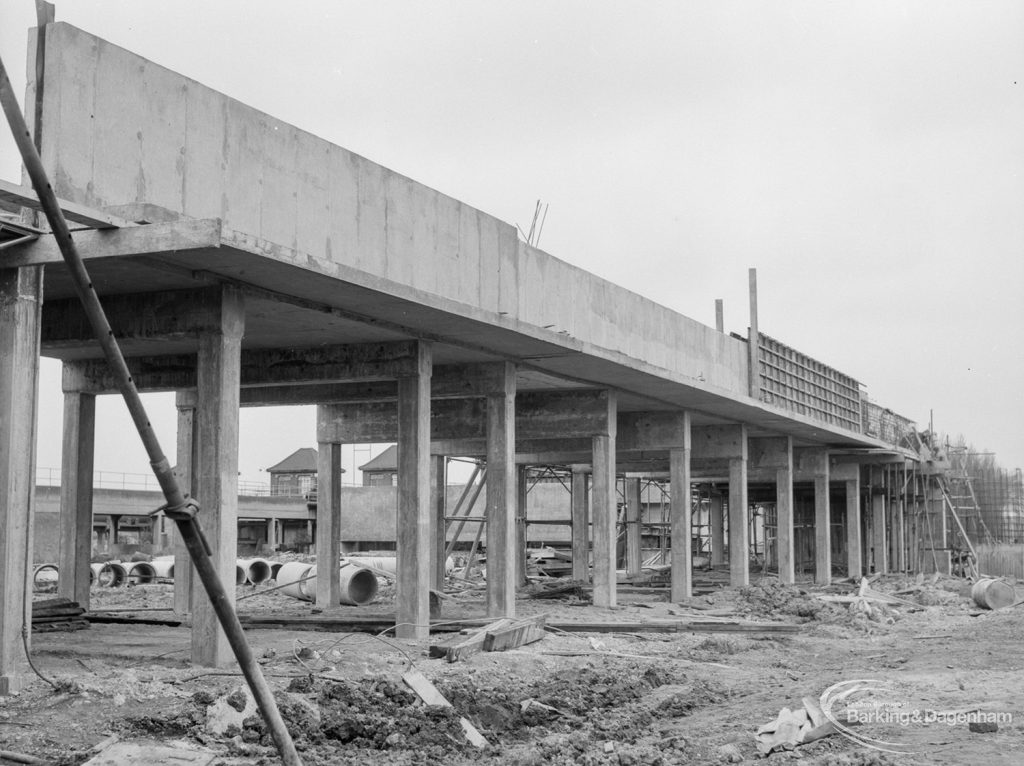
{"x":427,"y":692}
{"x":57,"y":614}
{"x":794,"y":727}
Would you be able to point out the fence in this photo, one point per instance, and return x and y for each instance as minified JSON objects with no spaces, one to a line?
{"x":1001,"y":560}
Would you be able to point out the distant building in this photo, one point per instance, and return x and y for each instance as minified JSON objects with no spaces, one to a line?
{"x":295,"y":476}
{"x":382,"y":471}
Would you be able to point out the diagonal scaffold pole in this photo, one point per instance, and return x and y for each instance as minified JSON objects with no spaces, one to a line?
{"x":180,"y":509}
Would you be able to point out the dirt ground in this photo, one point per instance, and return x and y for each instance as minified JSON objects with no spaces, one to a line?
{"x":635,"y":697}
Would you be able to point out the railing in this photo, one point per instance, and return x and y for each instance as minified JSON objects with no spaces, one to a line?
{"x":796,"y":382}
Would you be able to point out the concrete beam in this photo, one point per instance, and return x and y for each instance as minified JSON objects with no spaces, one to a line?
{"x":76,"y":497}
{"x":216,"y":469}
{"x":501,"y":495}
{"x":415,"y":516}
{"x":21,"y":293}
{"x":294,"y":366}
{"x":538,"y":416}
{"x":187,"y":235}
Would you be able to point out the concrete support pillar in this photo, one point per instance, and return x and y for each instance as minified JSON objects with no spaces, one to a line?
{"x":438,"y":501}
{"x":784,"y":519}
{"x":633,"y":522}
{"x":682,"y":521}
{"x":879,"y":543}
{"x":328,"y":524}
{"x":216,"y":468}
{"x":900,"y":534}
{"x":183,"y":574}
{"x":501,"y":496}
{"x":605,"y":513}
{"x":717,"y":521}
{"x":415,"y":516}
{"x":76,"y":496}
{"x":822,"y":522}
{"x":522,"y":502}
{"x":580,"y":525}
{"x":20,"y":303}
{"x":854,"y":565}
{"x":272,"y":541}
{"x":739,"y":531}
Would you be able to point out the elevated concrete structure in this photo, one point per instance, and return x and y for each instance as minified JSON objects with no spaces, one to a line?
{"x":269,"y":266}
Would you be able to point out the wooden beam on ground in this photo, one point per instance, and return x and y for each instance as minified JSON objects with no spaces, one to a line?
{"x":460,"y":647}
{"x":76,"y":489}
{"x":415,"y":516}
{"x":518,"y":633}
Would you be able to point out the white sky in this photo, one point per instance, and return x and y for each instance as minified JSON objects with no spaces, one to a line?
{"x":865,"y":157}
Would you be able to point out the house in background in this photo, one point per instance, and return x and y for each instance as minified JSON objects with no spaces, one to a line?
{"x":382,"y":471}
{"x":295,"y":476}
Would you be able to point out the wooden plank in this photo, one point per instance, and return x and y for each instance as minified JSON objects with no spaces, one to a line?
{"x":460,"y":647}
{"x":515,"y":635}
{"x":427,"y":692}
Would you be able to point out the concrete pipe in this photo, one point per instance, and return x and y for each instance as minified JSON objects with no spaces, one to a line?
{"x":257,"y":570}
{"x":164,"y":568}
{"x":290,"y":577}
{"x":389,"y":564}
{"x":44,"y":577}
{"x":990,"y":593}
{"x":141,"y":573}
{"x":275,"y":567}
{"x":241,"y":572}
{"x":109,"y":574}
{"x":358,"y":585}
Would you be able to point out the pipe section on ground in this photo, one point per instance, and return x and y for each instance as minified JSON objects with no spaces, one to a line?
{"x":256,"y":570}
{"x":358,"y":585}
{"x":109,"y":574}
{"x":141,"y":573}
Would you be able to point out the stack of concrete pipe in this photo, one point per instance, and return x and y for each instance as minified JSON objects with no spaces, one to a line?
{"x":358,"y":584}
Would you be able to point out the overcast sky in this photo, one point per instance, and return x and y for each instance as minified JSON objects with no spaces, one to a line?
{"x":866,"y":157}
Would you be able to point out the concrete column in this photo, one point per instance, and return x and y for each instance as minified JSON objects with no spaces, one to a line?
{"x":900,"y":530}
{"x":272,"y":533}
{"x":580,"y":525}
{"x":186,"y":442}
{"x":784,"y":521}
{"x":328,"y":524}
{"x":633,"y":521}
{"x":76,"y":496}
{"x":605,"y":513}
{"x":822,"y":523}
{"x":854,"y":565}
{"x":682,"y":521}
{"x":415,"y":516}
{"x":20,"y":302}
{"x":739,"y":531}
{"x":216,"y":468}
{"x":438,"y":500}
{"x":522,"y":503}
{"x":501,"y":497}
{"x":879,"y":543}
{"x":717,"y":521}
